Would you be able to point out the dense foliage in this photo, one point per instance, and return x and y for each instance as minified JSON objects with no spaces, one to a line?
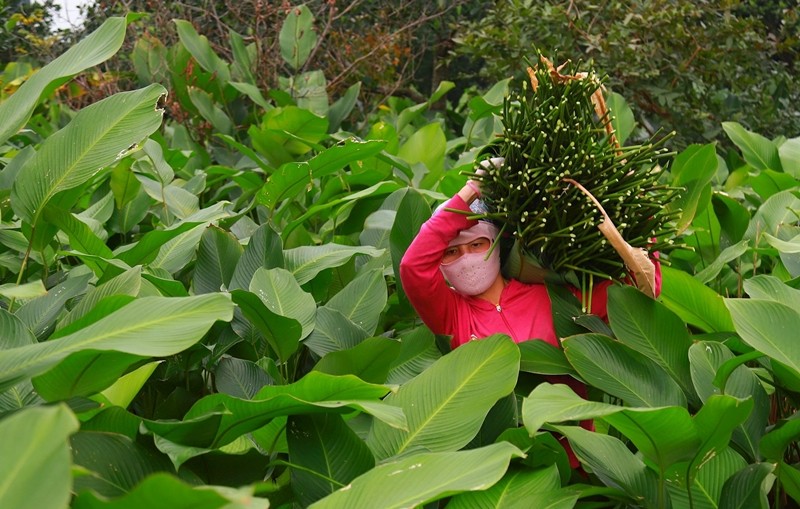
{"x":200,"y":307}
{"x":682,"y":65}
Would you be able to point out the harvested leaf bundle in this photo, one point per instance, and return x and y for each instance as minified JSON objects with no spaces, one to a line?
{"x":560,"y":152}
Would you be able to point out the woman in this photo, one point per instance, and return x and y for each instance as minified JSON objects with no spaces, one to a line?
{"x":478,"y":301}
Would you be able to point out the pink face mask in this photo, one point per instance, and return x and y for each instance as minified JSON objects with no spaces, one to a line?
{"x":471,"y":273}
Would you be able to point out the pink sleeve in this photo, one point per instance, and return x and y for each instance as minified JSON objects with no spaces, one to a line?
{"x":422,"y":280}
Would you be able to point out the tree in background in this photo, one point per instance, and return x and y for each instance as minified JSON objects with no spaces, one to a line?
{"x":27,"y":31}
{"x":682,"y":65}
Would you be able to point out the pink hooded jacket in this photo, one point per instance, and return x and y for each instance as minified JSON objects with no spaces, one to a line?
{"x":524,"y":311}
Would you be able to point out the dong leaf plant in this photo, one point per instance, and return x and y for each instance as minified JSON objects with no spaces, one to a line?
{"x":202,"y":308}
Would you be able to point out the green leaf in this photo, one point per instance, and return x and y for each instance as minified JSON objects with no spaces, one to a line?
{"x":216,"y":116}
{"x":333,"y":332}
{"x":785,"y":433}
{"x":715,"y":423}
{"x":201,"y":50}
{"x":445,"y":405}
{"x":239,"y":377}
{"x":621,"y":371}
{"x":286,"y":133}
{"x":219,"y":419}
{"x":362,"y":300}
{"x":778,"y":210}
{"x":23,"y":292}
{"x":651,"y":329}
{"x":39,"y":314}
{"x":35,"y":452}
{"x":297,"y":37}
{"x":341,"y":109}
{"x":83,"y":374}
{"x":748,"y":488}
{"x":707,"y":483}
{"x":282,"y":333}
{"x":694,"y":302}
{"x":370,"y":360}
{"x":729,"y":254}
{"x":97,"y":136}
{"x":165,"y":491}
{"x":759,"y":152}
{"x":217,"y":256}
{"x":621,"y":116}
{"x":432,"y":475}
{"x":769,"y":327}
{"x":150,"y":326}
{"x":177,"y":252}
{"x":543,"y":358}
{"x":412,"y":212}
{"x":426,"y":146}
{"x":418,"y":352}
{"x":326,"y":453}
{"x":122,"y":392}
{"x":280,"y":292}
{"x":127,"y":283}
{"x":789,"y":152}
{"x":305,"y":262}
{"x":264,"y":249}
{"x":520,"y":489}
{"x":97,"y":47}
{"x":116,"y":464}
{"x":693,"y":170}
{"x":615,"y":465}
{"x":708,"y":359}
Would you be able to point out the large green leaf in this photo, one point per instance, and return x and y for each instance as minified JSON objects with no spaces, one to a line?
{"x":748,"y":488}
{"x":165,"y":491}
{"x":778,"y":210}
{"x":286,"y":133}
{"x":239,"y":377}
{"x":282,"y":333}
{"x":615,"y":465}
{"x":708,"y":481}
{"x":333,"y":332}
{"x":264,"y":249}
{"x":35,"y":452}
{"x":664,"y":435}
{"x":151,"y":326}
{"x":424,"y":477}
{"x":758,"y":151}
{"x":695,"y":303}
{"x":83,"y":373}
{"x":370,"y":360}
{"x":693,"y":170}
{"x":39,"y":314}
{"x":217,"y":257}
{"x":622,"y":371}
{"x":97,"y":136}
{"x":98,"y":47}
{"x":219,"y":419}
{"x":543,"y":358}
{"x":328,"y":453}
{"x":201,"y":50}
{"x":426,"y":146}
{"x":297,"y":36}
{"x":785,"y":433}
{"x":769,"y":327}
{"x":729,"y":254}
{"x":305,"y":262}
{"x":707,"y":358}
{"x":520,"y":489}
{"x":418,"y":352}
{"x":362,"y":300}
{"x":651,"y":329}
{"x":282,"y":295}
{"x":115,"y":463}
{"x":445,"y":405}
{"x":772,"y":288}
{"x":412,"y":212}
{"x":128,"y":283}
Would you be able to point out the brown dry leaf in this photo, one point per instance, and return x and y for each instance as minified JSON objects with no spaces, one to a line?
{"x":636,"y":260}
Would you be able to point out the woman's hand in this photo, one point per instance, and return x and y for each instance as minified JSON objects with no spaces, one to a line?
{"x":472,"y":189}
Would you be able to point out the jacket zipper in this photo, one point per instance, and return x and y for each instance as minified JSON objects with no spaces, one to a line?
{"x":508,"y":325}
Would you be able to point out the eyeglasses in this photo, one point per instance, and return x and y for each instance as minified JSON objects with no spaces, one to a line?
{"x":453,"y":253}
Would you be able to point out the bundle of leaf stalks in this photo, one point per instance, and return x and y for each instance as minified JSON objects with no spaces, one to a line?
{"x":565,"y":176}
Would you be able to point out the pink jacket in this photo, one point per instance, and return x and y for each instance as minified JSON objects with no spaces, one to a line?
{"x":523,"y":313}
